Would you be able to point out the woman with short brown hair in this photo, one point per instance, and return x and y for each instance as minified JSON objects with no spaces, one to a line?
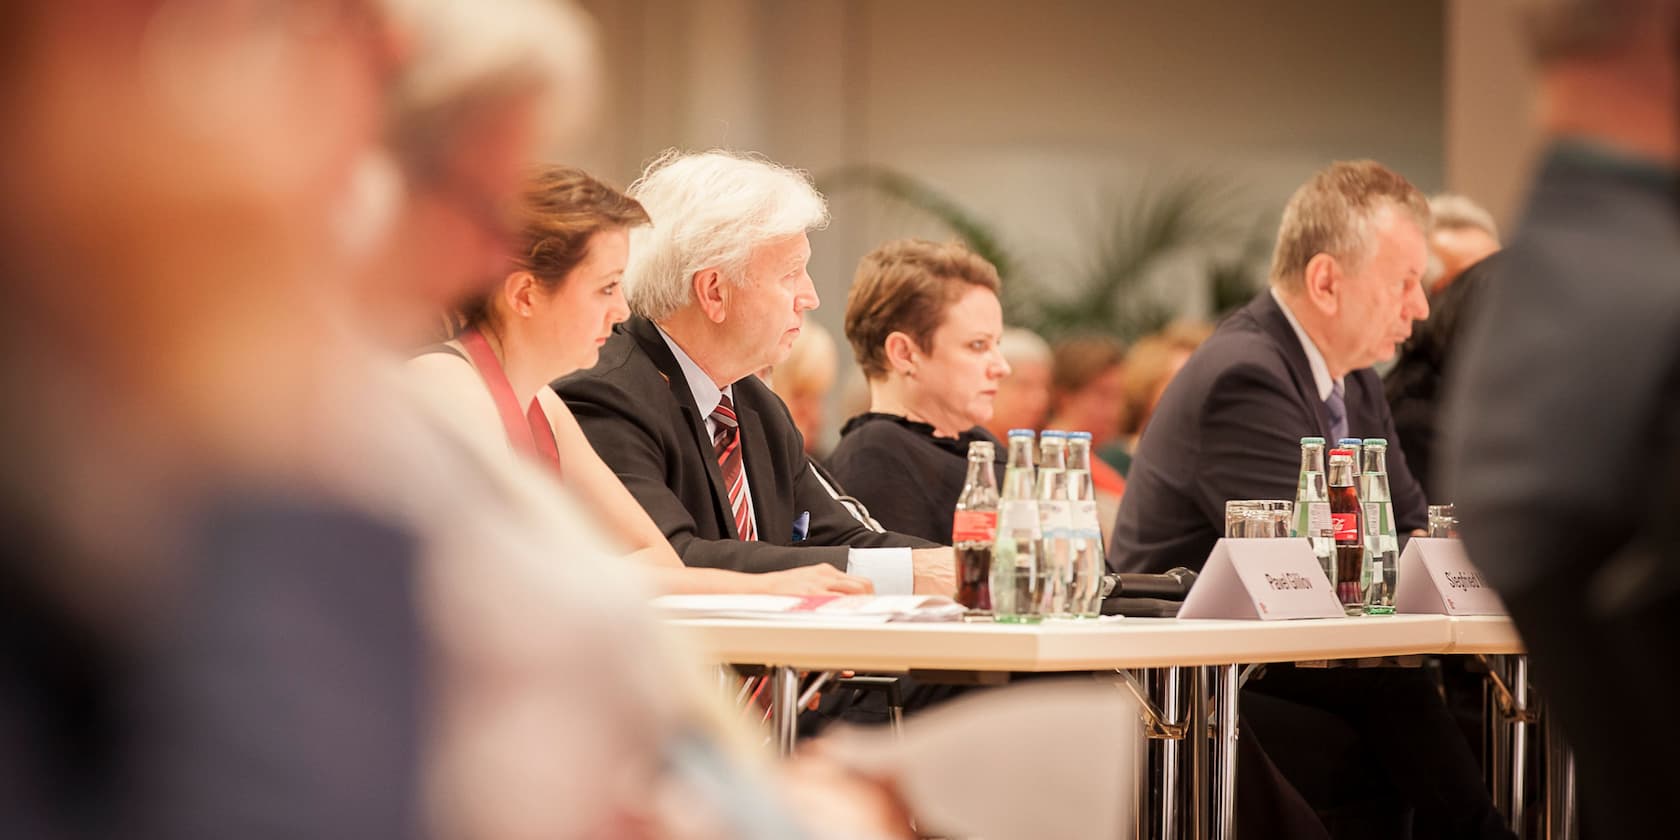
{"x":924,"y":321}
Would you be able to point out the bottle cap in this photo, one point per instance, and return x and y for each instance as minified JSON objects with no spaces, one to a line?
{"x":1376,"y":441}
{"x":1015,"y":433}
{"x":1307,"y":440}
{"x":1345,"y":453}
{"x":1348,"y":442}
{"x":1079,"y":435}
{"x":1052,"y":433}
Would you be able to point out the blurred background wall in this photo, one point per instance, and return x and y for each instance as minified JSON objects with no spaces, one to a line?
{"x":1065,"y":127}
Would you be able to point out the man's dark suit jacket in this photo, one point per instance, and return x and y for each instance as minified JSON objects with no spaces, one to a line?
{"x":1230,"y":427}
{"x":637,"y":411}
{"x":1561,"y":433}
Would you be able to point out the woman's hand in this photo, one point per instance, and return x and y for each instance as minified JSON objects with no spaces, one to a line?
{"x":818,"y":579}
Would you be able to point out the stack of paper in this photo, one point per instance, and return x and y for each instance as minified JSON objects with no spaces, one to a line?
{"x":861,"y":609}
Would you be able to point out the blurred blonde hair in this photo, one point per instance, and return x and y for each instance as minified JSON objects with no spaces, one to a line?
{"x":1150,"y":364}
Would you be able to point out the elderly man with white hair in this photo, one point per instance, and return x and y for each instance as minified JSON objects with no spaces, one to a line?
{"x":719,"y":290}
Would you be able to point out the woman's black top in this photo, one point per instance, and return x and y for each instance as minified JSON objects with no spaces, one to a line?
{"x":907,"y":477}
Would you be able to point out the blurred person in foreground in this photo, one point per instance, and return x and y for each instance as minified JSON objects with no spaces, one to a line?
{"x":1463,"y":243}
{"x":1346,"y":285}
{"x":1023,"y":397}
{"x":804,"y":381}
{"x":296,"y":610}
{"x":924,"y":321}
{"x":1151,"y":364}
{"x":1558,"y":431}
{"x":719,"y":289}
{"x":549,"y":317}
{"x":201,"y":236}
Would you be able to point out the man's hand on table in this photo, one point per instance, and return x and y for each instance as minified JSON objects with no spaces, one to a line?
{"x":935,"y":571}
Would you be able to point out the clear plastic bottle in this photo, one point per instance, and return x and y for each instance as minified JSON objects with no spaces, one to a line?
{"x":1018,"y":577}
{"x":1055,"y":521}
{"x":1382,"y":539}
{"x":1312,"y":507}
{"x":1351,"y":445}
{"x":974,"y":529}
{"x":1086,"y":544}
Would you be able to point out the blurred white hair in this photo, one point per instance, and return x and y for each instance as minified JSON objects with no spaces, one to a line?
{"x":1451,"y":211}
{"x":710,"y":210}
{"x":466,"y":54}
{"x":1023,"y":346}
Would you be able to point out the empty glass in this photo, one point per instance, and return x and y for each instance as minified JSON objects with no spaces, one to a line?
{"x":1443,"y":521}
{"x":1258,"y":517}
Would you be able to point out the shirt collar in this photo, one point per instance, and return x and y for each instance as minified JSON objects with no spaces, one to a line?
{"x":706,"y":393}
{"x":1315,"y":359}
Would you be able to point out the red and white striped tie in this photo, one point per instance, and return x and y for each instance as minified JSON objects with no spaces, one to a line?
{"x":727,"y":443}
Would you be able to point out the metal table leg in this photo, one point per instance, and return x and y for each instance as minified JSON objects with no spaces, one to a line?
{"x":1169,"y":754}
{"x":784,"y":707}
{"x":1519,"y":742}
{"x":1228,"y":685}
{"x":1196,"y":738}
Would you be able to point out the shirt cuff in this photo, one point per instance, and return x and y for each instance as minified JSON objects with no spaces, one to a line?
{"x":888,"y":568}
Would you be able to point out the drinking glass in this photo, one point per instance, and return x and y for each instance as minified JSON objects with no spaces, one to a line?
{"x":1443,"y":521}
{"x":1258,"y":517}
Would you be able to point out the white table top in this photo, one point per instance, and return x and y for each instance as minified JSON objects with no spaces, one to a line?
{"x":1084,"y":646}
{"x":1485,"y":634}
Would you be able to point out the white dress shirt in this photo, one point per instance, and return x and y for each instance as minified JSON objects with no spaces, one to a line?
{"x":1315,"y":359}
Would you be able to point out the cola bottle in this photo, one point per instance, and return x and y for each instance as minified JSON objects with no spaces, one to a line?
{"x":1345,"y":516}
{"x":974,"y":529}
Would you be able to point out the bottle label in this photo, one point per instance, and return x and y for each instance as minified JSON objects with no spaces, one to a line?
{"x":1018,"y":519}
{"x":1373,"y":519}
{"x":1054,"y":518}
{"x":1317,"y":520}
{"x":1346,"y":526}
{"x":1085,"y":517}
{"x":974,"y":526}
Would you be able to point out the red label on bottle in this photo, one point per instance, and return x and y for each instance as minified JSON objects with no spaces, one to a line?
{"x":974,"y":526}
{"x":1347,"y":526}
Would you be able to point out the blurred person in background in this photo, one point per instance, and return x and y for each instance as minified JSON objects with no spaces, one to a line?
{"x":1461,"y":233}
{"x":1464,"y":245}
{"x":549,"y":317}
{"x":1151,"y":364}
{"x":1345,"y":287}
{"x":1087,"y":381}
{"x":1558,"y":427}
{"x":924,"y":322}
{"x":719,"y":290}
{"x":804,"y":381}
{"x":1023,"y":397}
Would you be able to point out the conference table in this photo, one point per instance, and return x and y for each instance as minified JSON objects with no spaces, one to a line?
{"x":1203,"y":659}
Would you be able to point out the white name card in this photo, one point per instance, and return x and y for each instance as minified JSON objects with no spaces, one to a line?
{"x":1436,"y":578}
{"x":1262,"y":579}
